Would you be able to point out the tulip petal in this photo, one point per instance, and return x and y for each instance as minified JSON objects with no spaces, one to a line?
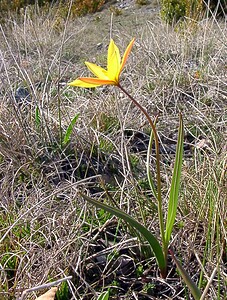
{"x":126,"y":54}
{"x":80,"y":83}
{"x":113,"y":61}
{"x":97,"y":70}
{"x":109,"y":76}
{"x":97,"y":81}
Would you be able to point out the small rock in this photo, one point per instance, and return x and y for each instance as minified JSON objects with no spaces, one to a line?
{"x":99,"y":46}
{"x":22,"y":96}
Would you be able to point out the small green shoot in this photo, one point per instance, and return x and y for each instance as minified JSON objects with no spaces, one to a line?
{"x":104,"y":296}
{"x":37,"y":117}
{"x":69,"y":130}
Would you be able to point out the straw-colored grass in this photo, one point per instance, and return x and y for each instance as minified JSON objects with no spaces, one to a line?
{"x":47,"y":231}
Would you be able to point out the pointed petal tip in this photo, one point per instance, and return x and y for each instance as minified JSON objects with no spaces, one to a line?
{"x":126,"y":54}
{"x":82,"y":83}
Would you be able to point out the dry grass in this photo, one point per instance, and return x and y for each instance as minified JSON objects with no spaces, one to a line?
{"x":47,"y":231}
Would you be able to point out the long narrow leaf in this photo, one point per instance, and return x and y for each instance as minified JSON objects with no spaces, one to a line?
{"x":175,"y":184}
{"x":187,"y":278}
{"x":37,"y":117}
{"x":136,"y":225}
{"x":149,"y":177}
{"x":69,"y":130}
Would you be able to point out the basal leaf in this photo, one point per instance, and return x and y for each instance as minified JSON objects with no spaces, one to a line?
{"x":175,"y":184}
{"x":187,"y":278}
{"x":149,"y":176}
{"x":156,"y":248}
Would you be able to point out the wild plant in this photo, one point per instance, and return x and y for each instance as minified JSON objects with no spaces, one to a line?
{"x":111,"y":76}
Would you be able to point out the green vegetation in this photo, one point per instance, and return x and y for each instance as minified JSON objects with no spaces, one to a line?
{"x":78,"y":7}
{"x":176,"y":10}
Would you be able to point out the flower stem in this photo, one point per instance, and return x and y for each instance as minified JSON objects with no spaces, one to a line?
{"x":159,"y":196}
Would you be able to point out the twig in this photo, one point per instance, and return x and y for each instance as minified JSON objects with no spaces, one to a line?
{"x":43,"y":286}
{"x":208,"y":284}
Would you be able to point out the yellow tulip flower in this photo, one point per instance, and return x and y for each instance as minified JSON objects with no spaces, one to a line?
{"x":114,"y":68}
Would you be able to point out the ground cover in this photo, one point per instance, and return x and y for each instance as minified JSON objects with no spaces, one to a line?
{"x":48,"y":231}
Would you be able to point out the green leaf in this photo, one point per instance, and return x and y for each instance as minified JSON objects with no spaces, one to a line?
{"x":37,"y":117}
{"x":187,"y":278}
{"x":137,"y":226}
{"x":69,"y":130}
{"x":103,"y":296}
{"x":149,"y":177}
{"x":175,"y":184}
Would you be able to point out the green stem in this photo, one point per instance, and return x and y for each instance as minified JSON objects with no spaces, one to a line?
{"x":159,"y":195}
